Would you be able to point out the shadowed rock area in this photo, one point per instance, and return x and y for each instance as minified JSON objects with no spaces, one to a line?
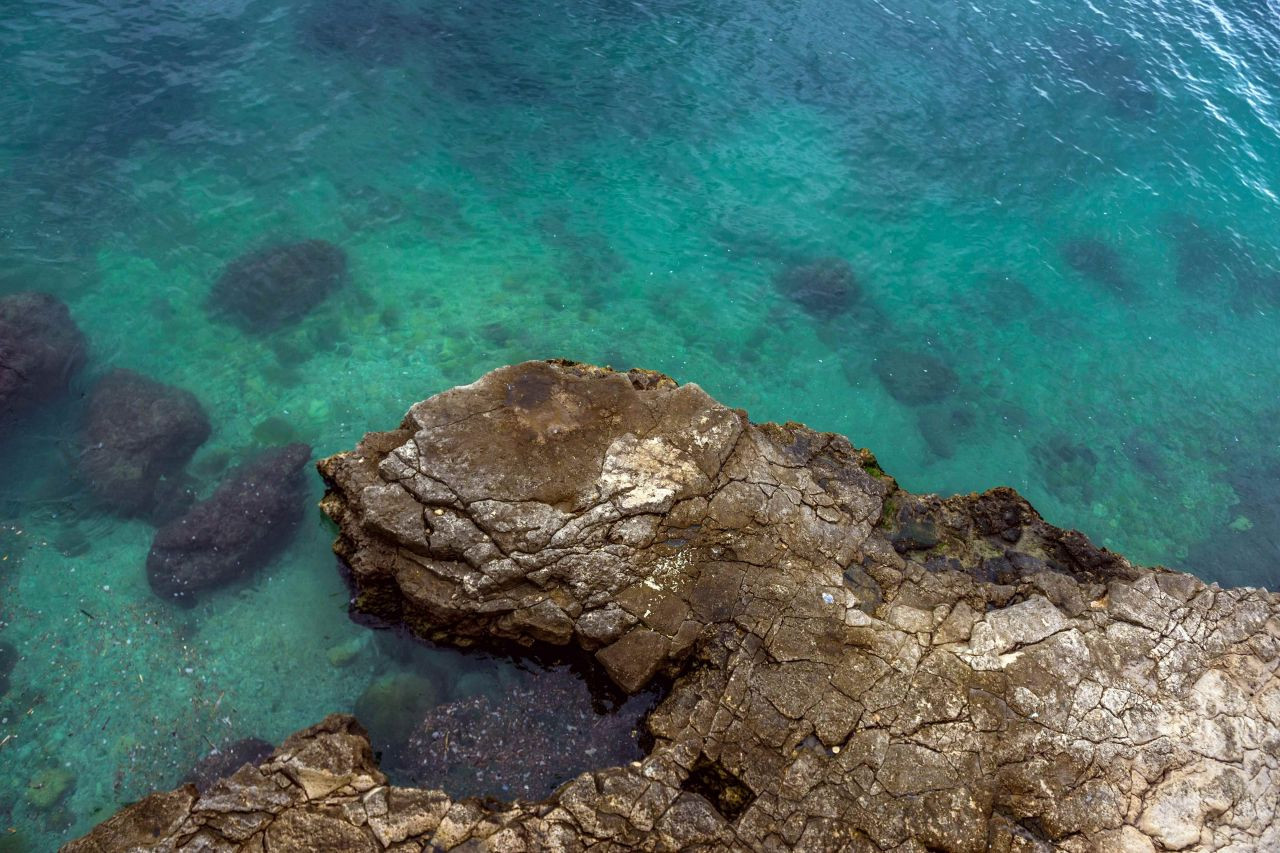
{"x":854,"y":667}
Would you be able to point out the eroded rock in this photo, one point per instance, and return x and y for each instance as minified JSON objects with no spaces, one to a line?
{"x":991,"y":683}
{"x":240,"y":528}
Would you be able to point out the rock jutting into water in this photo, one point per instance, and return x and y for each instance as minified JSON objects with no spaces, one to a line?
{"x":247,"y":521}
{"x":139,"y":431}
{"x":276,"y":286}
{"x":852,"y":666}
{"x":41,"y":348}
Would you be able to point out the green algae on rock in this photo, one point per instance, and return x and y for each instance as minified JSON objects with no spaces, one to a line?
{"x":853,"y":666}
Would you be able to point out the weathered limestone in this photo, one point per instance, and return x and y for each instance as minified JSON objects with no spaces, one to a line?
{"x":854,"y":667}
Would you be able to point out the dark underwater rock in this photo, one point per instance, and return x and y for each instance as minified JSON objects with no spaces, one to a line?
{"x":826,"y":287}
{"x":138,"y":432}
{"x":1107,"y":74}
{"x":999,"y":684}
{"x":1065,"y":465}
{"x":226,"y":760}
{"x":239,"y":529}
{"x":523,"y":742}
{"x":278,"y":285}
{"x":915,"y":378}
{"x":1001,"y":298}
{"x":1098,"y":262}
{"x":1219,"y":266}
{"x":41,"y":348}
{"x":943,"y":427}
{"x":1118,"y":75}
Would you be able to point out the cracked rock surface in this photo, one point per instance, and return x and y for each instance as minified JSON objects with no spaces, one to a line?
{"x":854,"y":667}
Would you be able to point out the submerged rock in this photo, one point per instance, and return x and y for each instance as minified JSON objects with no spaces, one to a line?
{"x":1220,"y":266}
{"x":1097,"y":261}
{"x":915,"y":378}
{"x":523,"y":742}
{"x":983,"y":680}
{"x":226,"y":760}
{"x":1066,"y":466}
{"x":393,"y":705}
{"x":239,"y":529}
{"x":41,"y":348}
{"x":138,"y":432}
{"x":826,"y":287}
{"x":278,"y":285}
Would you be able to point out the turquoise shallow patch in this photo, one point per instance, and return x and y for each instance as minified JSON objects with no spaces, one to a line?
{"x":622,"y":183}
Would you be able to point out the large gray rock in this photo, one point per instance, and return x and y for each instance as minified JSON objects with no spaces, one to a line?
{"x":855,"y":667}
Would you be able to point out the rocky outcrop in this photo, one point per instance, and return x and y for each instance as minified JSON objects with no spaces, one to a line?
{"x":241,"y":527}
{"x":41,"y":348}
{"x":139,"y":433}
{"x":853,"y":667}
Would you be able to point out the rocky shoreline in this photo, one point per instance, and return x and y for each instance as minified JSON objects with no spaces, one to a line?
{"x":852,"y":666}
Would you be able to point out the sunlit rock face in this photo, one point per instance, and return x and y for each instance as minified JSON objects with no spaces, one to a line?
{"x":851,"y":666}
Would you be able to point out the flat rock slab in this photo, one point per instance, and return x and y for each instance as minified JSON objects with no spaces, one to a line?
{"x":984,"y":682}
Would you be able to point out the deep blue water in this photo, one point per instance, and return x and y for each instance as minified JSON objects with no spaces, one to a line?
{"x":1025,"y":244}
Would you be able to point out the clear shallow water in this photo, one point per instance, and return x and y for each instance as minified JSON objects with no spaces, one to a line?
{"x":622,"y":183}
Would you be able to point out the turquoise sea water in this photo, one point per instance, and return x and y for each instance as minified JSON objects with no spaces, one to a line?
{"x":1073,"y":206}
